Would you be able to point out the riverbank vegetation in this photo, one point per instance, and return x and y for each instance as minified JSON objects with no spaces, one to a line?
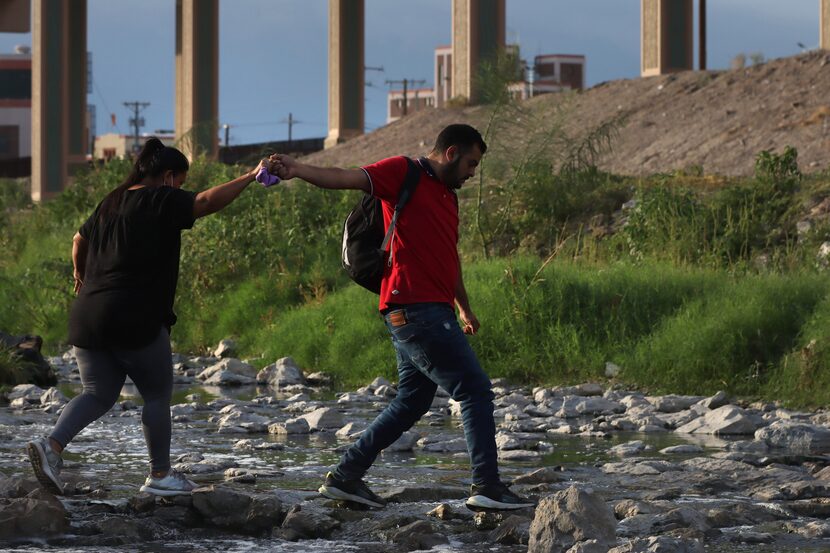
{"x":690,"y":283}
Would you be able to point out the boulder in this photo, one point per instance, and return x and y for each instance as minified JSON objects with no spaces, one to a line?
{"x":570,"y":516}
{"x":234,"y":510}
{"x":673,"y":403}
{"x":324,"y":418}
{"x":226,"y":348}
{"x":28,"y":392}
{"x":718,"y":400}
{"x":284,"y":372}
{"x":16,"y":486}
{"x":351,"y":430}
{"x":37,"y":515}
{"x":726,"y":420}
{"x":228,"y":372}
{"x":515,"y":530}
{"x":53,"y":396}
{"x":659,"y":544}
{"x":545,"y":475}
{"x":307,"y":524}
{"x":588,"y":546}
{"x":318,"y":379}
{"x":628,"y":449}
{"x":793,"y":436}
{"x":228,"y":378}
{"x":291,"y":426}
{"x":418,"y":535}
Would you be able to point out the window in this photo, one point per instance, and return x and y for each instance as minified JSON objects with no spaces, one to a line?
{"x":16,"y":84}
{"x":9,"y":141}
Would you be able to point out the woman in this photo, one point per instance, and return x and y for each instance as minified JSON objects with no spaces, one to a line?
{"x":126,"y":261}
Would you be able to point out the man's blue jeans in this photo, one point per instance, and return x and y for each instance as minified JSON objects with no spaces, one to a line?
{"x":432,"y":351}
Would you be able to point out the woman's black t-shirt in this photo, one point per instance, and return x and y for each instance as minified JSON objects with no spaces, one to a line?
{"x":132,"y":268}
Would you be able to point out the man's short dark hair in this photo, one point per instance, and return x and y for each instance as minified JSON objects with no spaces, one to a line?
{"x":462,"y":136}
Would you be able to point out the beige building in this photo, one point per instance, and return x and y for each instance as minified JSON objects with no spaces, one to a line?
{"x":417,"y":99}
{"x":15,"y":106}
{"x":551,"y":73}
{"x":111,"y":145}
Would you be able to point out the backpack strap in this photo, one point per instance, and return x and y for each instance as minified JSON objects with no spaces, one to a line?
{"x":410,"y":182}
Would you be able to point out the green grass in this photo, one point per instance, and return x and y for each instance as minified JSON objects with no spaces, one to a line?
{"x":671,"y":329}
{"x":677,"y":297}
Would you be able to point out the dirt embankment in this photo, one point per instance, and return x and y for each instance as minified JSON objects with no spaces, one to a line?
{"x":718,"y":120}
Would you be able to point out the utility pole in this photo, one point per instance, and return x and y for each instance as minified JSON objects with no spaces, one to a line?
{"x":406,"y":83}
{"x":227,"y":129}
{"x":136,"y":121}
{"x":291,"y":122}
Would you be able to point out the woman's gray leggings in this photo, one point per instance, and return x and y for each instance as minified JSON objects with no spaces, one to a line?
{"x":103,"y":373}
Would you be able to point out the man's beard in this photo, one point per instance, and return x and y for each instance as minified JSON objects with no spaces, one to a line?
{"x":452,"y":171}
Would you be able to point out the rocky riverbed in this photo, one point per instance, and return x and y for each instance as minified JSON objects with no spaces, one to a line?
{"x":613,"y":470}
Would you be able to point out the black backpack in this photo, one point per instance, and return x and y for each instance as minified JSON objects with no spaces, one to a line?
{"x":364,"y":241}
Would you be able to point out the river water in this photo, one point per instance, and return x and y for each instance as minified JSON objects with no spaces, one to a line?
{"x":111,"y":453}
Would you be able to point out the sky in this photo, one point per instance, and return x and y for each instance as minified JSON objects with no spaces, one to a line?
{"x":273,"y":53}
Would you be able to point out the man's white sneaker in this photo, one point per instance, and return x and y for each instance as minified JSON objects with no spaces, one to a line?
{"x":47,"y":464}
{"x":174,"y":483}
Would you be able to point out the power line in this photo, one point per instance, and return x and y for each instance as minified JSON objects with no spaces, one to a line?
{"x":406,"y":83}
{"x":136,"y":121}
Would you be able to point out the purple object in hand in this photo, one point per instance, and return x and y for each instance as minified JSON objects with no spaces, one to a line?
{"x":266,"y":179}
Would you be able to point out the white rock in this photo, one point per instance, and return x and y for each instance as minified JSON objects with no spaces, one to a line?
{"x":323,"y":418}
{"x":282,"y":373}
{"x":29,"y":392}
{"x":351,"y":430}
{"x":53,"y":396}
{"x":728,"y":419}
{"x":291,"y":426}
{"x":795,"y":436}
{"x":226,"y":348}
{"x":385,"y":391}
{"x":673,"y":403}
{"x":228,"y":378}
{"x":230,"y":365}
{"x":519,"y":455}
{"x":628,"y":449}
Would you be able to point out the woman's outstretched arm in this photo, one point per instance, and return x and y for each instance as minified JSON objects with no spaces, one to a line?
{"x":216,"y":198}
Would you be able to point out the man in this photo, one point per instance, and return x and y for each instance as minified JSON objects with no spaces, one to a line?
{"x":418,"y":290}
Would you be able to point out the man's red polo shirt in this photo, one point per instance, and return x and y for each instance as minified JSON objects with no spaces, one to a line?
{"x":425,"y":256}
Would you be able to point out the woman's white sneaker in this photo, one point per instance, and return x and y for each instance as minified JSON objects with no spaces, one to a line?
{"x":47,"y":464}
{"x":173,"y":483}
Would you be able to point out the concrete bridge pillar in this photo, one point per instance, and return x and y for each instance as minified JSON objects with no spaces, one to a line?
{"x":14,"y":16}
{"x":478,"y":34}
{"x":197,"y":76}
{"x":667,"y":36}
{"x":346,"y":70}
{"x":824,"y":18}
{"x":59,"y":75}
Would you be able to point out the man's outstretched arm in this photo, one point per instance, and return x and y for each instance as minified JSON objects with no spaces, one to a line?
{"x":332,"y":178}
